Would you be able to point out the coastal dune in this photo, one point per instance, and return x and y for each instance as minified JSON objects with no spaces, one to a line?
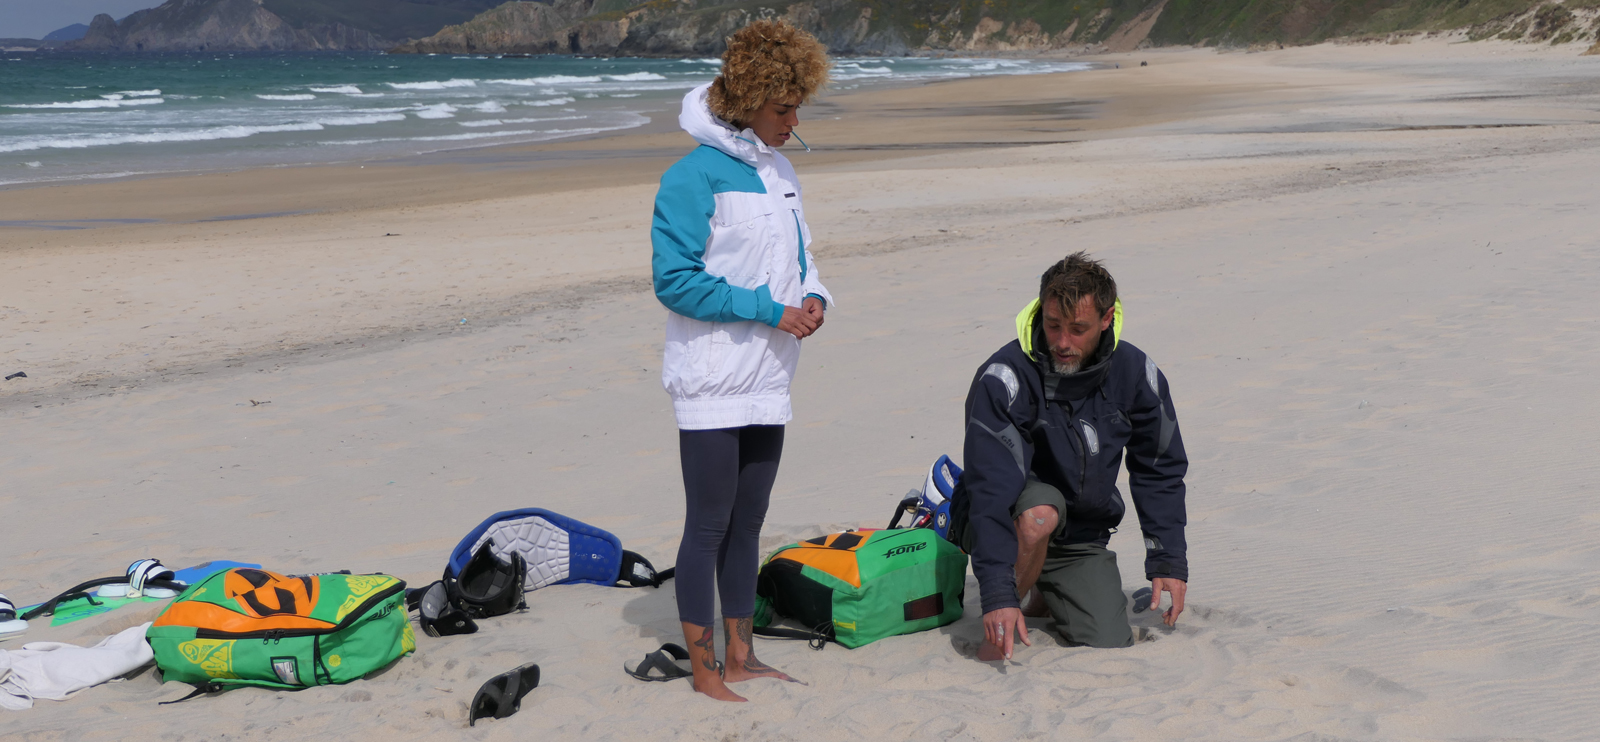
{"x":1365,"y":270}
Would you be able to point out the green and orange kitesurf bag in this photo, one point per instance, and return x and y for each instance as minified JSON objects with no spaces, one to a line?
{"x":858,"y":587}
{"x":253,"y":627}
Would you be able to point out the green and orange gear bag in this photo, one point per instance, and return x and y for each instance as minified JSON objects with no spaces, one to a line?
{"x":253,"y":627}
{"x":858,"y":587}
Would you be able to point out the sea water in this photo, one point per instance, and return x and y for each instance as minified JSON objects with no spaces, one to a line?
{"x":70,"y":116}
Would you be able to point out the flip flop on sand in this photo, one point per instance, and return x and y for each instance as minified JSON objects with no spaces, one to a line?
{"x":9,"y":624}
{"x":502,"y":695}
{"x":661,"y":665}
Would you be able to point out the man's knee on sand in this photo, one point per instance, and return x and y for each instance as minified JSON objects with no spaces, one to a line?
{"x":1037,"y":524}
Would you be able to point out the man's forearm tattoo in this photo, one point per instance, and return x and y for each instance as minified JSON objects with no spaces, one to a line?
{"x":707,"y":644}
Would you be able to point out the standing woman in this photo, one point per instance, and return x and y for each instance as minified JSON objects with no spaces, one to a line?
{"x":731,"y":263}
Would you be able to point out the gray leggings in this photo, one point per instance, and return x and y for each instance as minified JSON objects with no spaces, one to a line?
{"x":727,"y":478}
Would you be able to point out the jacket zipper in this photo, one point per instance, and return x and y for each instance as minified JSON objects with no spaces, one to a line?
{"x":275,"y":635}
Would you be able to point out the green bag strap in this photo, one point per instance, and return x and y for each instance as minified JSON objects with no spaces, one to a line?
{"x":199,"y":690}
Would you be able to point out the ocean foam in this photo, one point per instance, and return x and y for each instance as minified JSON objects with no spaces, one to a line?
{"x":117,"y":102}
{"x":433,"y":84}
{"x":547,"y":80}
{"x":635,"y":120}
{"x":346,"y":89}
{"x":85,"y":141}
{"x":488,"y":106}
{"x":636,"y":77}
{"x":139,"y":93}
{"x":550,"y":102}
{"x":194,"y":135}
{"x":542,"y":133}
{"x":437,"y":111}
{"x":671,"y":85}
{"x":300,"y":96}
{"x":505,"y":122}
{"x":361,"y":119}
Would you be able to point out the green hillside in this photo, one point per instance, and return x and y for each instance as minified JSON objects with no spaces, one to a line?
{"x":1300,"y":21}
{"x":689,"y":27}
{"x":1207,"y":21}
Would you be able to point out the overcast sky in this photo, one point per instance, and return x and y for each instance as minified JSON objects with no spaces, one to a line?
{"x":32,"y":19}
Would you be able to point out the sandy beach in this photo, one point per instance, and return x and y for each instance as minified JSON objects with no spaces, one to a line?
{"x":1367,"y":271}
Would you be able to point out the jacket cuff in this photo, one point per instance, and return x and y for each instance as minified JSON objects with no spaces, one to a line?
{"x":1166,"y":567}
{"x":768,"y":310}
{"x":997,"y":596}
{"x":821,"y":298}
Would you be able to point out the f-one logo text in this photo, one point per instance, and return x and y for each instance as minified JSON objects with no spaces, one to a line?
{"x":906,"y":549}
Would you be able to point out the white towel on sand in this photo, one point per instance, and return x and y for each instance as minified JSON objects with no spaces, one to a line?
{"x":53,"y":670}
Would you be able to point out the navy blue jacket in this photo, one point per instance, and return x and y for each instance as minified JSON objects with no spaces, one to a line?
{"x":1070,"y":431}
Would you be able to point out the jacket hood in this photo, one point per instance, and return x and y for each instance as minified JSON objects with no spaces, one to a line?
{"x":1030,"y":333}
{"x":697,"y":119}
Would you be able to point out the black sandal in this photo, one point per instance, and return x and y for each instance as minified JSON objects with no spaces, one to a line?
{"x":502,"y":695}
{"x":661,"y":665}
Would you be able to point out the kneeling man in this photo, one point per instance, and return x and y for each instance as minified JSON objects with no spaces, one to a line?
{"x":1048,"y":419}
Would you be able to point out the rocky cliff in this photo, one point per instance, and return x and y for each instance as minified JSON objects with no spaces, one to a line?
{"x":275,"y":25}
{"x":698,"y":27}
{"x":210,"y":25}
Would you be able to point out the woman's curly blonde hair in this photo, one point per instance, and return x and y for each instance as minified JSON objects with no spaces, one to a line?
{"x":767,"y":60}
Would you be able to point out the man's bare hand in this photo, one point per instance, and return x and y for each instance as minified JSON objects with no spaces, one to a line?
{"x":797,"y":322}
{"x":1168,"y":585}
{"x":813,"y":307}
{"x":998,"y":626}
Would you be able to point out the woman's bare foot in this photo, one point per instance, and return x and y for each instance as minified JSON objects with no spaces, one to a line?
{"x":742,"y":662}
{"x":703,"y":658}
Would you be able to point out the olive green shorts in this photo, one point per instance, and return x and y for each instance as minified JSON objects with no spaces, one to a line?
{"x":1080,"y":583}
{"x":1034,"y":494}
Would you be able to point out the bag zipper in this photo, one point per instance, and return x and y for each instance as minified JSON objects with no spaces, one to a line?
{"x":275,"y":635}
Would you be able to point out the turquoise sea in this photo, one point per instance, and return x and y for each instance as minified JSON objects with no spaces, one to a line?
{"x":76,"y":116}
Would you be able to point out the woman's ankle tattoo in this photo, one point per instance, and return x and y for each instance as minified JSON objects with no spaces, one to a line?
{"x":707,"y":643}
{"x":743,"y":629}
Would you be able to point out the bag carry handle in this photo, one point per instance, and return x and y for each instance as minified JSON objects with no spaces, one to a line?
{"x":908,"y":505}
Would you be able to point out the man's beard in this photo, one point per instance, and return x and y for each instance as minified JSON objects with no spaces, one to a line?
{"x":1076,"y":364}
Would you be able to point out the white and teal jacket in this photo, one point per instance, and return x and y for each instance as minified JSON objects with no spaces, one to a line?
{"x":730,"y":252}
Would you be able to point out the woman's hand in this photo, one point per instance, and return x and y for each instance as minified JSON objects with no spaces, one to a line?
{"x":813,"y":307}
{"x":798,"y":322}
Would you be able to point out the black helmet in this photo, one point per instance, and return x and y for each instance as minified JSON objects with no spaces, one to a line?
{"x":487,"y":586}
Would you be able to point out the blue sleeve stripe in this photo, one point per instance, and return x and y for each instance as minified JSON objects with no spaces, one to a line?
{"x":800,"y":237}
{"x":679,"y":232}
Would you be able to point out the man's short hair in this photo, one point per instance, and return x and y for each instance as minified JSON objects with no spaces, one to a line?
{"x":1075,"y":277}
